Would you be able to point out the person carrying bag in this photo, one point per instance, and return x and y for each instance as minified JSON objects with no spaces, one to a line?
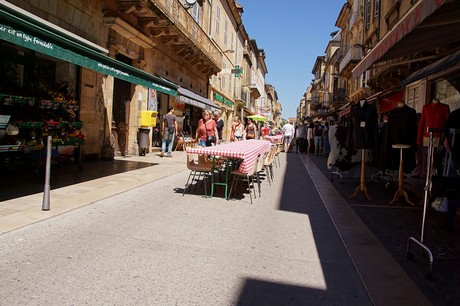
{"x":206,"y":134}
{"x":169,"y":128}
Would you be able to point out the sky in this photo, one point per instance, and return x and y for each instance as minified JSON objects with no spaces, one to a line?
{"x":293,"y":34}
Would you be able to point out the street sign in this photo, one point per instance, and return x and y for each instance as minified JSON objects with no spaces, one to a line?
{"x":237,"y":71}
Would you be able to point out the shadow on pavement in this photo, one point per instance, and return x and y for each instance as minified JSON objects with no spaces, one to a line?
{"x":342,"y":284}
{"x":393,"y":225}
{"x":260,"y":292}
{"x":23,"y":180}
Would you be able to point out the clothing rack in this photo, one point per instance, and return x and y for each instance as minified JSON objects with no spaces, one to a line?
{"x":420,"y":242}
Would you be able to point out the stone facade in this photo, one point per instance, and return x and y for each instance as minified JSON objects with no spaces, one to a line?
{"x":163,"y":38}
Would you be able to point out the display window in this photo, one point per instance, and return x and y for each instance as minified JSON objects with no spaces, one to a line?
{"x":38,"y":98}
{"x":448,"y":91}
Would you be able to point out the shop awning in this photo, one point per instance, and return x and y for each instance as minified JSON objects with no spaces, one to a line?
{"x":188,"y":97}
{"x":21,"y":28}
{"x":388,"y":103}
{"x":442,"y":64}
{"x":428,"y":35}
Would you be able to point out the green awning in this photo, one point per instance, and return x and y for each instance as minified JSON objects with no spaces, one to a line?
{"x":32,"y":35}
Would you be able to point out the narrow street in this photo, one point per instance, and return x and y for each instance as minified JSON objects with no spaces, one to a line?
{"x":153,"y":246}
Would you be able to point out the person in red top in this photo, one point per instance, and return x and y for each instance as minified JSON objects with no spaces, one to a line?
{"x":206,"y":133}
{"x":434,"y":115}
{"x":264,"y":130}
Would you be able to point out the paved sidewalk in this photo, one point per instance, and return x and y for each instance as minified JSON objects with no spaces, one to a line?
{"x":18,"y":212}
{"x":294,"y":201}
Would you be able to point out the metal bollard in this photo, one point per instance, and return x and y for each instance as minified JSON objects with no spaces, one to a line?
{"x":46,"y":192}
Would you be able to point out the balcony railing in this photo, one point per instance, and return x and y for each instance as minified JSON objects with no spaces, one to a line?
{"x":353,"y":55}
{"x":188,"y":26}
{"x":339,"y":94}
{"x":167,"y":22}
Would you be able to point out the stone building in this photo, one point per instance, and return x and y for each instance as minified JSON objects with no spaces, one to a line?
{"x":119,"y":60}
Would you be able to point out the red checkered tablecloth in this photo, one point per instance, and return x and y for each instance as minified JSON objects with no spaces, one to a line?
{"x":246,"y":150}
{"x":274,"y":139}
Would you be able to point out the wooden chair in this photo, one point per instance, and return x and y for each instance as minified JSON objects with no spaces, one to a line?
{"x":180,"y":144}
{"x":259,"y":169}
{"x":199,"y":167}
{"x":248,"y":177}
{"x":268,"y":163}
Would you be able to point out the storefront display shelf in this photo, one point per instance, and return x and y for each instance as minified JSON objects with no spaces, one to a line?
{"x":76,"y":125}
{"x":11,"y":99}
{"x":69,"y":142}
{"x":21,"y":148}
{"x":51,"y":104}
{"x":29,"y":125}
{"x":9,"y":148}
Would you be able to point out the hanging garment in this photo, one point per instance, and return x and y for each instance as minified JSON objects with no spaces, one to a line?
{"x":363,"y":126}
{"x":402,"y":129}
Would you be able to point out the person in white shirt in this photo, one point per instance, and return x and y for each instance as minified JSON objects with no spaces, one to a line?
{"x":288,"y":130}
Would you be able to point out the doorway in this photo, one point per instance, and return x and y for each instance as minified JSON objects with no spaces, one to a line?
{"x":120,"y":111}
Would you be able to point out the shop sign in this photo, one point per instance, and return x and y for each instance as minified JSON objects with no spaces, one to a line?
{"x":344,"y":111}
{"x":222,"y":100}
{"x":95,"y":61}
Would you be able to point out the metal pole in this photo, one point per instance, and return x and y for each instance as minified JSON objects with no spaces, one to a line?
{"x":46,"y":192}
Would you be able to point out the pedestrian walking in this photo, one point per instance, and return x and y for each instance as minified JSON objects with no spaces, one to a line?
{"x":239,"y":130}
{"x":234,"y":124}
{"x":206,"y":133}
{"x":310,"y":138}
{"x":219,"y":124}
{"x":288,"y":130}
{"x":301,"y":138}
{"x":251,"y":129}
{"x":169,"y":130}
{"x":318,"y":132}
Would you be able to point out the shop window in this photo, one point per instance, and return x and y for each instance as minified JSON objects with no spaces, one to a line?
{"x":38,"y":94}
{"x":448,"y":91}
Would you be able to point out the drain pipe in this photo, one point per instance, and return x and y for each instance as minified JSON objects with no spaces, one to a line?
{"x":46,"y":192}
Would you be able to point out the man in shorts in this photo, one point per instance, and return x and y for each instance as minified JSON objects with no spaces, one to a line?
{"x":288,"y":131}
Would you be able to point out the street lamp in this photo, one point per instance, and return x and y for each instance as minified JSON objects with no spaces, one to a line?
{"x":189,"y":3}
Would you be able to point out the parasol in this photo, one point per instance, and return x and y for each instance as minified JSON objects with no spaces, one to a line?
{"x":258,"y":117}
